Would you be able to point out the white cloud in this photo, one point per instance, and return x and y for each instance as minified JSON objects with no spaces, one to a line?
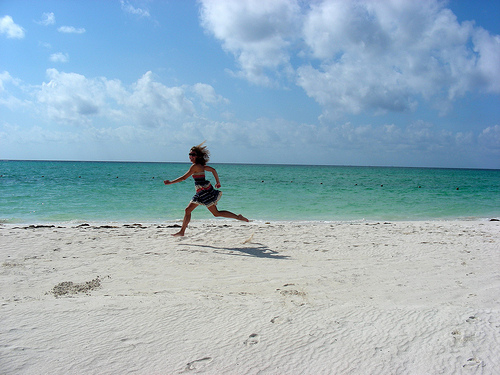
{"x":292,"y":142}
{"x":5,"y":77}
{"x":35,"y":134}
{"x":258,"y":33}
{"x":148,"y":112}
{"x":128,"y":8}
{"x":6,"y":98}
{"x":71,"y":98}
{"x":71,"y":30}
{"x":281,"y":141}
{"x":490,"y":138}
{"x":47,"y":19}
{"x":385,"y":55}
{"x":10,"y":29}
{"x":59,"y":57}
{"x":208,"y":95}
{"x":354,"y":56}
{"x":487,"y":47}
{"x":154,"y":104}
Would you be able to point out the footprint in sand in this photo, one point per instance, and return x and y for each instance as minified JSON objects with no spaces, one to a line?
{"x":473,"y":362}
{"x":198,"y":364}
{"x":277,"y":319}
{"x":471,"y":319}
{"x":293,"y":296}
{"x":280,"y":320}
{"x":253,"y":339}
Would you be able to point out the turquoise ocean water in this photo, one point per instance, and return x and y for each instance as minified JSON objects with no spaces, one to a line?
{"x":75,"y":192}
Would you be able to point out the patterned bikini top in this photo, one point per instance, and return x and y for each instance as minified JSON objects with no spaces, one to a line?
{"x":200,"y":183}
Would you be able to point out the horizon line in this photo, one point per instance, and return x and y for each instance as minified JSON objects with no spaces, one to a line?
{"x":232,"y":163}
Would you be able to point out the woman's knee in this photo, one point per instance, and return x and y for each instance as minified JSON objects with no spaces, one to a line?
{"x":189,"y":209}
{"x":214,"y":211}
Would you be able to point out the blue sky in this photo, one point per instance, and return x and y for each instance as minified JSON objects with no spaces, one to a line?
{"x":368,"y":82}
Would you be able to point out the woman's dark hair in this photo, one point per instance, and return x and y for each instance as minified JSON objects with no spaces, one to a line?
{"x":202,"y":154}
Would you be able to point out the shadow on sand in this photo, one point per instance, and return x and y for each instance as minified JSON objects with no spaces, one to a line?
{"x":259,"y":251}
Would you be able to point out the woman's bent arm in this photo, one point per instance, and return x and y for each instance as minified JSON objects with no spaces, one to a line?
{"x":210,"y":169}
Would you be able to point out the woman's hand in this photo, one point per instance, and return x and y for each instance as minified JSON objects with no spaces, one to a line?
{"x":217,"y":185}
{"x":167,"y":182}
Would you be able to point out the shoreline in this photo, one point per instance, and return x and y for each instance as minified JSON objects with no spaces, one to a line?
{"x":75,"y":223}
{"x":231,"y":297}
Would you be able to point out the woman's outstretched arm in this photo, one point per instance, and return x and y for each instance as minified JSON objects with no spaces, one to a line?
{"x":181,"y":178}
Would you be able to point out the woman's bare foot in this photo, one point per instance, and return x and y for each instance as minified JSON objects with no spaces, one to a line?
{"x":242,"y":218}
{"x":178,"y":234}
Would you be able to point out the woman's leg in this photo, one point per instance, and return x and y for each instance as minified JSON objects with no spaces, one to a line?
{"x":213,"y":209}
{"x":187,"y":218}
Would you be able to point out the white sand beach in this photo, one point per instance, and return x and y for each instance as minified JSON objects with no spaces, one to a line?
{"x":251,"y":298}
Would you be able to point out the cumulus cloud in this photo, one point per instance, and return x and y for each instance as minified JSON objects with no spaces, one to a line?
{"x":5,"y":77}
{"x":72,"y":98}
{"x":149,"y":112}
{"x":47,"y":19}
{"x":416,"y":144}
{"x":487,"y":47}
{"x":384,"y":55}
{"x":35,"y":134}
{"x":153,"y":104}
{"x":129,"y":8}
{"x":10,"y":29}
{"x":7,"y":99}
{"x":59,"y":57}
{"x":354,"y":56}
{"x":258,"y":33}
{"x":490,"y":138}
{"x":71,"y":30}
{"x":208,"y":95}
